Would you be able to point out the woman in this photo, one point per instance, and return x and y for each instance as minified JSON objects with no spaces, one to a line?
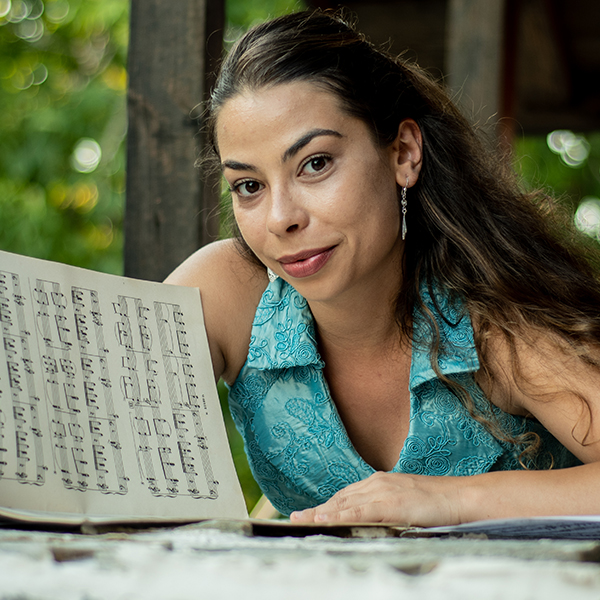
{"x":423,"y":349}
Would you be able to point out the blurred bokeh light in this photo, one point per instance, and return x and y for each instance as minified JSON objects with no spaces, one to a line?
{"x":573,"y":149}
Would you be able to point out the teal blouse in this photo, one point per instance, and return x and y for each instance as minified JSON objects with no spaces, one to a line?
{"x":297,"y":446}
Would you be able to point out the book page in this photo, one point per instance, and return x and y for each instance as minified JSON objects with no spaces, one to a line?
{"x":108,"y":404}
{"x":560,"y":527}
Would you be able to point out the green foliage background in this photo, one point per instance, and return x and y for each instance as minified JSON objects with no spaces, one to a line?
{"x":63,"y":80}
{"x":539,"y":166}
{"x":56,"y":90}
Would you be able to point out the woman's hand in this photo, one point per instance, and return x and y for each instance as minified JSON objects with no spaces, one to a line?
{"x":391,"y":498}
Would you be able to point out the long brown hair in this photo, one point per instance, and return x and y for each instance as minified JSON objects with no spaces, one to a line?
{"x":471,"y":229}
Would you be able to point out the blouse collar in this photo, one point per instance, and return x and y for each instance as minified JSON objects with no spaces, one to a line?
{"x":283,"y":334}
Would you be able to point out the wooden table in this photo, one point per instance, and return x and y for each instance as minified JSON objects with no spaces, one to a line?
{"x":233,"y":560}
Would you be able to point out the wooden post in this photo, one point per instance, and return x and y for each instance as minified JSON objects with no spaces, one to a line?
{"x":168,"y":206}
{"x":475,"y":57}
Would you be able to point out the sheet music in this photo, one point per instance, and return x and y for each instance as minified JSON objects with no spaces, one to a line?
{"x":561,"y":527}
{"x":108,"y":404}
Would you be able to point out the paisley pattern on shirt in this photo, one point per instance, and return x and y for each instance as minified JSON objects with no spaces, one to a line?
{"x":296,"y":443}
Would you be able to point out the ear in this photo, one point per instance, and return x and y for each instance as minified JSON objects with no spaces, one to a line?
{"x":407,"y":152}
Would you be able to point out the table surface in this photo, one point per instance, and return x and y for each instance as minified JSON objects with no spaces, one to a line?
{"x":225,"y":560}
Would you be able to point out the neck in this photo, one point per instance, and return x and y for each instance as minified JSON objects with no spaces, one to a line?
{"x":362,"y":322}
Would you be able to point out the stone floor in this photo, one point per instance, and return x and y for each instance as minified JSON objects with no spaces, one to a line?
{"x":232,"y":560}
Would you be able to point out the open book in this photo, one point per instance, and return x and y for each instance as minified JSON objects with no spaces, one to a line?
{"x":108,"y":404}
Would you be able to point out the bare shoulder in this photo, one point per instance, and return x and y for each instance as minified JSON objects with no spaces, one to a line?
{"x":543,"y":376}
{"x":218,"y":258}
{"x":230,"y":287}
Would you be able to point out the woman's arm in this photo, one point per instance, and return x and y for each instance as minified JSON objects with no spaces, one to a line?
{"x":429,"y":501}
{"x":230,"y":289}
{"x":555,"y":387}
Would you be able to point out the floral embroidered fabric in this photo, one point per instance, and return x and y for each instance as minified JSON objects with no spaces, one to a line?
{"x":297,"y":446}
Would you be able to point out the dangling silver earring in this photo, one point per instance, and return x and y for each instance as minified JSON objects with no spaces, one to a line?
{"x":272,"y":276}
{"x":404,"y":203}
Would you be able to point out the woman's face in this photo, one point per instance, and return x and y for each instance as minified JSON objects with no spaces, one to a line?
{"x":313,"y":195}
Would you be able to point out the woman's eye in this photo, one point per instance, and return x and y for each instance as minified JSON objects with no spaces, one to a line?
{"x":316,"y":164}
{"x":246,"y":188}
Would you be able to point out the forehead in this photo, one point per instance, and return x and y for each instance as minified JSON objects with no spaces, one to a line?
{"x":284,"y":110}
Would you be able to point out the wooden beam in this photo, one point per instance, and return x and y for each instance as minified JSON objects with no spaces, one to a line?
{"x":507,"y":124}
{"x":475,"y":58}
{"x":215,"y":28}
{"x":167,"y":204}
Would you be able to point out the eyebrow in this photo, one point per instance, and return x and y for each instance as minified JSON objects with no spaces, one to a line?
{"x":306,"y":139}
{"x":234,"y":165}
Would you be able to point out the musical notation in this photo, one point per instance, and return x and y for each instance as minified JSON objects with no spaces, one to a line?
{"x":98,"y":390}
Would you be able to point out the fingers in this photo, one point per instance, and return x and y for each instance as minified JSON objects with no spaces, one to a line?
{"x":329,"y":514}
{"x":333,"y":511}
{"x":358,"y":503}
{"x":395,"y":498}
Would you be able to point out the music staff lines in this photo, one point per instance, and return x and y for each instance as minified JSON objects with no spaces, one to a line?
{"x":19,"y":416}
{"x":75,"y":359}
{"x":167,"y":431}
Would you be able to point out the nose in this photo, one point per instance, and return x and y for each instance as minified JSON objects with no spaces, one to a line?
{"x":286,"y":213}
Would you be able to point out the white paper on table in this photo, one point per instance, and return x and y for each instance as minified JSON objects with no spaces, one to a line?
{"x":560,"y":527}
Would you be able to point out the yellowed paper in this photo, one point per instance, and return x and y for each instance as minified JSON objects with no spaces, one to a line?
{"x":108,"y":405}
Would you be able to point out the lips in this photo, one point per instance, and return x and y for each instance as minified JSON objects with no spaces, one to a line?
{"x":306,"y":263}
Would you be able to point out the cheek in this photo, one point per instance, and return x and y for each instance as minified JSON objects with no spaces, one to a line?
{"x":251,"y":227}
{"x":375,"y":201}
{"x":387,"y":198}
{"x":374,"y":183}
{"x":381,"y":222}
